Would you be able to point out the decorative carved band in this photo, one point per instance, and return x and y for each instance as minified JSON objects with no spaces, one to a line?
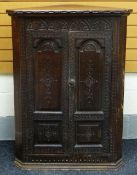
{"x":72,"y":25}
{"x":100,"y":24}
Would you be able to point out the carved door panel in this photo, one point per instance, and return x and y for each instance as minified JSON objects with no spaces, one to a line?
{"x":89,"y":95}
{"x":47,"y":121}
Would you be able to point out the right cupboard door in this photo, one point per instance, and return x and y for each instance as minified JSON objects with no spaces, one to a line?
{"x":89,"y":95}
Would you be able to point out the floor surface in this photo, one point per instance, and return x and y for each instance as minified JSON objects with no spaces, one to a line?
{"x":7,"y":166}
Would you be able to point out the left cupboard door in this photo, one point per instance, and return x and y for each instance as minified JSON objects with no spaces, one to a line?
{"x":47,"y":95}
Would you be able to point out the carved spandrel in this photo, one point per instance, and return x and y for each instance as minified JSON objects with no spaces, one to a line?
{"x":60,"y":25}
{"x":89,"y":46}
{"x":37,"y":25}
{"x":79,"y":25}
{"x":46,"y":45}
{"x":101,"y":25}
{"x":73,"y":24}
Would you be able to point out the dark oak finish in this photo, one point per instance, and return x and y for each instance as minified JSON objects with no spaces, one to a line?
{"x":68,"y":77}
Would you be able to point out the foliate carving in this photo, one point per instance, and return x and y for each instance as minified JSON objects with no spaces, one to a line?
{"x":90,"y":82}
{"x":71,"y":24}
{"x":58,"y":25}
{"x":89,"y":46}
{"x":101,"y":24}
{"x":44,"y":45}
{"x":75,"y":25}
{"x":47,"y":133}
{"x":79,"y":25}
{"x":47,"y":61}
{"x":47,"y":81}
{"x":35,"y":25}
{"x":88,"y":132}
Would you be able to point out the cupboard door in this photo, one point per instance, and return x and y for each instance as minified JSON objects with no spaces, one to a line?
{"x":47,"y":120}
{"x":89,"y":92}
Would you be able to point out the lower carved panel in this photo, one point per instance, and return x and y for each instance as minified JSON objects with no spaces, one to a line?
{"x":47,"y":132}
{"x":88,"y":132}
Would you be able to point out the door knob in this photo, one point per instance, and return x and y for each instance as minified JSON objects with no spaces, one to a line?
{"x":71,"y":82}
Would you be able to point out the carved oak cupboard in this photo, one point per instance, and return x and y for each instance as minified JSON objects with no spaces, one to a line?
{"x":68,"y":77}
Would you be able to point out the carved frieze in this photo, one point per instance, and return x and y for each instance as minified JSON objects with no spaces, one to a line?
{"x":71,"y":24}
{"x":79,"y":25}
{"x":101,"y":25}
{"x":36,"y":25}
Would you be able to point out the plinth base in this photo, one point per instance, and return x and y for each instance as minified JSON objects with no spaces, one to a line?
{"x":69,"y":166}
